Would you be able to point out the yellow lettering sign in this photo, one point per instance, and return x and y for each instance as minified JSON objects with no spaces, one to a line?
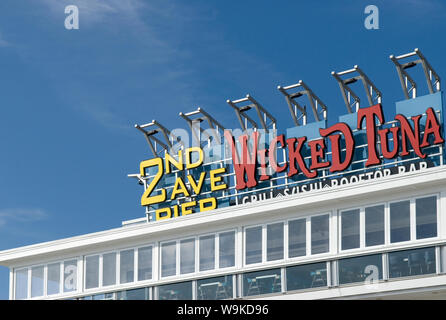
{"x":179,"y":188}
{"x":203,"y":203}
{"x":196,"y":187}
{"x":186,"y":208}
{"x":189,"y":164}
{"x":171,"y":160}
{"x":164,"y":213}
{"x":146,"y":199}
{"x":215,"y":179}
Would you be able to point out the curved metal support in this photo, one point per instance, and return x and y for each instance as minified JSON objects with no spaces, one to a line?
{"x":267,"y":121}
{"x":298,"y":112}
{"x":432,"y":78}
{"x":351,"y":99}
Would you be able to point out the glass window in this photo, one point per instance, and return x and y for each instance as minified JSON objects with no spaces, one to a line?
{"x":53,"y":280}
{"x":168,"y":259}
{"x":261,"y":282}
{"x":412,"y":262}
{"x":134,"y":294}
{"x":400,"y":221}
{"x":227,"y":249}
{"x":365,"y":269}
{"x":306,"y":276}
{"x":127,"y":266}
{"x":374,"y":225}
{"x":207,"y":252}
{"x":21,"y":284}
{"x":187,"y":256}
{"x":426,"y":217}
{"x":109,"y":296}
{"x":92,"y":272}
{"x":253,"y":245}
{"x":176,"y":291}
{"x":215,"y":288}
{"x":144,"y":263}
{"x":350,"y":229}
{"x":274,"y":241}
{"x":37,"y":281}
{"x":99,"y":296}
{"x":70,"y":276}
{"x":297,"y":238}
{"x":109,"y":269}
{"x":320,"y":234}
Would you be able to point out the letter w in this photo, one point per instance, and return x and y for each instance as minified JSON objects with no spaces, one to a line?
{"x":248,"y":163}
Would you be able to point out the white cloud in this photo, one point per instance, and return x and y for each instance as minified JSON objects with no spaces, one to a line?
{"x":103,"y":116}
{"x":160,"y":29}
{"x":22,"y":215}
{"x":419,"y":8}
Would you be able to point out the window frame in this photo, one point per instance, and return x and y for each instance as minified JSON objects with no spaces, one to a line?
{"x":99,"y":271}
{"x":330,"y":232}
{"x":286,"y":256}
{"x":45,"y":265}
{"x":152,"y":246}
{"x":362,"y":225}
{"x":263,"y":244}
{"x":438,"y":204}
{"x":118,"y":267}
{"x":411,"y":220}
{"x":217,"y":249}
{"x":178,"y":252}
{"x":307,"y":238}
{"x":266,"y":241}
{"x":387,"y":225}
{"x":413,"y":216}
{"x":196,"y":238}
{"x":28,"y":285}
{"x":61,"y":272}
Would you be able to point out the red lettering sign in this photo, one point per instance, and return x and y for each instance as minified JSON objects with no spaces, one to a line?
{"x":401,"y":135}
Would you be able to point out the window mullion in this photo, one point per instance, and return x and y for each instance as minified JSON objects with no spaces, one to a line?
{"x":413,"y":223}
{"x":80,"y":270}
{"x":135,"y":264}
{"x":45,"y":280}
{"x":217,"y":251}
{"x":386,"y":224}
{"x":29,"y":283}
{"x":264,"y":243}
{"x":385,"y":263}
{"x":61,"y":277}
{"x":178,"y":259}
{"x":437,"y":260}
{"x":285,"y":240}
{"x":362,"y":228}
{"x":283,"y":287}
{"x":100,"y":273}
{"x":156,"y":257}
{"x":118,"y":267}
{"x":308,"y":236}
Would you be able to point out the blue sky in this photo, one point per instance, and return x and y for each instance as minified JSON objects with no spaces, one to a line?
{"x":69,"y":98}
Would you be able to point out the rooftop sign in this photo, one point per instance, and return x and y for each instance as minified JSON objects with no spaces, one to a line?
{"x":233,"y":167}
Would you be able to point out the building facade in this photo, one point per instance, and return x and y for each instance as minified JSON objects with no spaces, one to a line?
{"x":361,"y":217}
